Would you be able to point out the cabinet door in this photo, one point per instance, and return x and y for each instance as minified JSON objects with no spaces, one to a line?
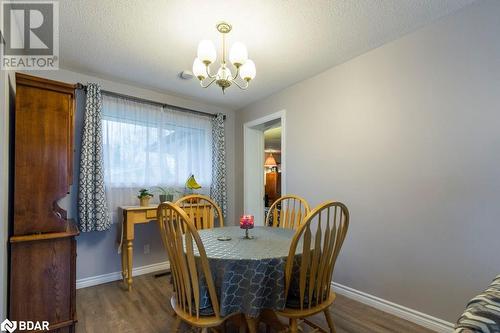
{"x":43,"y":150}
{"x":42,"y":281}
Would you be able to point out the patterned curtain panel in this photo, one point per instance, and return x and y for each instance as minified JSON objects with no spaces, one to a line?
{"x":93,"y":212}
{"x":218,"y":191}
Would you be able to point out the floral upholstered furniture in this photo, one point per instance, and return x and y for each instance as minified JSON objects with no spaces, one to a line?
{"x":482,"y":314}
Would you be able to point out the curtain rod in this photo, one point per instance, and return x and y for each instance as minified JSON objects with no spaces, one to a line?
{"x":143,"y":100}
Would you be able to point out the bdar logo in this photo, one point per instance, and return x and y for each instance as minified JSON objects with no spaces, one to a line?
{"x":8,"y":326}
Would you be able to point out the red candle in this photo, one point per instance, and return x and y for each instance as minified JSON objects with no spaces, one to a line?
{"x":246,"y":222}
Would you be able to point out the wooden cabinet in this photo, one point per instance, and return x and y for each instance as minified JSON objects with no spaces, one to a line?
{"x":273,"y":187}
{"x":43,"y":153}
{"x":42,"y":243}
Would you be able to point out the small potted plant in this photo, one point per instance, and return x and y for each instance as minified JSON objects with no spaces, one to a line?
{"x":144,"y":197}
{"x":167,"y":193}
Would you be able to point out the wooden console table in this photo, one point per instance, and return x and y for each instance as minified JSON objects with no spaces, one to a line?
{"x":133,"y":215}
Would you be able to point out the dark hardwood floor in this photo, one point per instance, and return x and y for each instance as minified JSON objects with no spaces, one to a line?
{"x":109,"y":308}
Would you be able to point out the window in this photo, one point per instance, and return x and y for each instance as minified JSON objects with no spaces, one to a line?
{"x":146,"y":145}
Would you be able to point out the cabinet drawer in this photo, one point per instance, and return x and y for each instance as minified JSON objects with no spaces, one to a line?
{"x":151,"y":214}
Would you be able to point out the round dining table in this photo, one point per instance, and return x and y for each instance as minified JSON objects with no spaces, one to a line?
{"x":249,"y":274}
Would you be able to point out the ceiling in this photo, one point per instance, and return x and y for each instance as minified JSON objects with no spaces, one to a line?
{"x":148,"y":43}
{"x":272,"y":139}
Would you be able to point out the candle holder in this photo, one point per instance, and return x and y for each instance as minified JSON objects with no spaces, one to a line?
{"x":247,"y":236}
{"x":247,"y":222}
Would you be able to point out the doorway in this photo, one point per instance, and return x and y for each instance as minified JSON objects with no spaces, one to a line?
{"x":264,"y":143}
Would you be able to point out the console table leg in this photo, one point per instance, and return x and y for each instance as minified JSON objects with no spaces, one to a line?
{"x":124,"y":262}
{"x":130,"y":255}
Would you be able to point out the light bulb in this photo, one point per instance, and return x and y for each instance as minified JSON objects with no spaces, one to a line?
{"x":248,"y":71}
{"x":206,"y":51}
{"x":224,"y":73}
{"x":199,"y":69}
{"x":239,"y":54}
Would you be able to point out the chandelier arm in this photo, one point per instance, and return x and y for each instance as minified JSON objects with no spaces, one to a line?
{"x":207,"y":68}
{"x":208,"y":85}
{"x":237,"y":73}
{"x":242,"y":87}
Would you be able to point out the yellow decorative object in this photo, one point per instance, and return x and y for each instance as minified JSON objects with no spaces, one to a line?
{"x":192,"y":184}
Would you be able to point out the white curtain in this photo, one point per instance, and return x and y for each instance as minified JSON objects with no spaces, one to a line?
{"x":146,"y":145}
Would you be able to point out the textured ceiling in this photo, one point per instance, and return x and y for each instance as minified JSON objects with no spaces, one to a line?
{"x":148,"y":43}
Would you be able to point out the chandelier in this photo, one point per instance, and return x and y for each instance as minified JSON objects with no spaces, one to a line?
{"x":238,"y":57}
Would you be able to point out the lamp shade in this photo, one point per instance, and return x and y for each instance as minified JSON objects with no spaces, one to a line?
{"x":206,"y":51}
{"x":270,"y":161}
{"x":239,"y":54}
{"x":199,"y":69}
{"x":248,"y":71}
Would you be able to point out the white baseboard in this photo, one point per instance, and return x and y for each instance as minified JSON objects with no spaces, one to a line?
{"x":422,"y":319}
{"x":105,"y":278}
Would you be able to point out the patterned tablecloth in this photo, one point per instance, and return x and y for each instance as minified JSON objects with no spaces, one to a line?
{"x":248,"y":273}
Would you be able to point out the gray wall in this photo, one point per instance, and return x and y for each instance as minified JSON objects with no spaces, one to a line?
{"x":408,"y":137}
{"x":97,"y":251}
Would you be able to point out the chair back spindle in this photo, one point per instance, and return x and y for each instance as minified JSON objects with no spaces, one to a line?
{"x":203,"y":211}
{"x":320,"y":236}
{"x":288,"y":211}
{"x":188,"y":259}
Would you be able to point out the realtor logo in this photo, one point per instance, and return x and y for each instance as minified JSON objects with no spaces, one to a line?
{"x":24,"y":325}
{"x":30,"y":35}
{"x":8,"y":326}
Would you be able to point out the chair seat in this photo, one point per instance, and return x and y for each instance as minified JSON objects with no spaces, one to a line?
{"x":292,"y":309}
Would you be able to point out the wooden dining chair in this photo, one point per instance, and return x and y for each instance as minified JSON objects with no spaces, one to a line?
{"x":189,"y":266}
{"x":310,"y":263}
{"x":202,"y":210}
{"x":288,"y":211}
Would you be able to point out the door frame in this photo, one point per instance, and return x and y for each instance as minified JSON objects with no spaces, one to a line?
{"x":247,"y":178}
